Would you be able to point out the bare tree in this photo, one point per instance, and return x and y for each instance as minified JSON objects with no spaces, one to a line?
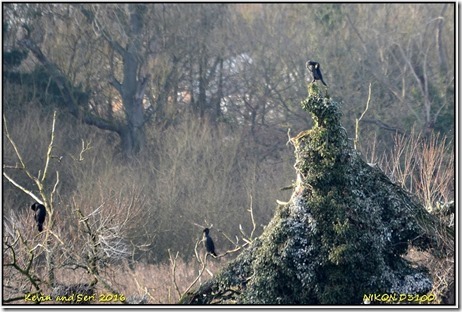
{"x":83,"y":238}
{"x":133,"y":85}
{"x":410,"y":70}
{"x":130,"y":80}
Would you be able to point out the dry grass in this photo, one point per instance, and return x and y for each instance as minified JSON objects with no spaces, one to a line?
{"x":197,"y":175}
{"x":156,"y":280}
{"x":425,"y":167}
{"x":153,"y":282}
{"x":442,"y":272}
{"x":193,"y":175}
{"x":422,"y":165}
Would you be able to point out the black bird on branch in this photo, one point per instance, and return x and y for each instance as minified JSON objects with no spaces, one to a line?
{"x":315,"y":68}
{"x":208,"y":243}
{"x":40,"y":214}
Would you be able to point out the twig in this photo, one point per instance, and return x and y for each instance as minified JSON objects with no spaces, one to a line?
{"x":201,"y":271}
{"x":254,"y":226}
{"x":16,"y":151}
{"x":173,"y":263}
{"x":84,"y":149}
{"x":22,"y":188}
{"x":50,"y":148}
{"x":356,"y":140}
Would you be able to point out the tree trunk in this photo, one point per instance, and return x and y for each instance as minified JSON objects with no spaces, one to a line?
{"x":132,"y":91}
{"x":133,"y":87}
{"x":439,"y":41}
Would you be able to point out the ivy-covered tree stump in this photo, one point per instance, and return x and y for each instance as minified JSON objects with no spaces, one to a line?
{"x":340,"y":237}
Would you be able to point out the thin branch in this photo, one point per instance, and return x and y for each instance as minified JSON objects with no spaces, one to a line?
{"x":24,"y":271}
{"x":116,"y":84}
{"x":50,"y":148}
{"x":92,"y":268}
{"x":55,"y":187}
{"x":384,"y":126}
{"x":173,"y":263}
{"x":195,"y":251}
{"x":201,"y":271}
{"x":254,"y":226}
{"x":419,"y":83}
{"x":22,"y":188}
{"x":228,"y":252}
{"x":16,"y":150}
{"x":356,"y":140}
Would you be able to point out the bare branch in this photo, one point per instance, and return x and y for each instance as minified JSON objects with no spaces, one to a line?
{"x":84,"y":149}
{"x":173,"y":264}
{"x":25,"y":270}
{"x":201,"y":271}
{"x":69,"y":101}
{"x":361,"y":117}
{"x":116,"y":84}
{"x":50,"y":147}
{"x":16,"y":151}
{"x":384,"y":126}
{"x":439,"y":41}
{"x":254,"y":225}
{"x":22,"y":188}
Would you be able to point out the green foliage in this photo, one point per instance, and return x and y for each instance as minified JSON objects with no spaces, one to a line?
{"x":320,"y":154}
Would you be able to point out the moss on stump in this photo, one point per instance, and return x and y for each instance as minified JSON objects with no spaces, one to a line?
{"x":341,"y":236}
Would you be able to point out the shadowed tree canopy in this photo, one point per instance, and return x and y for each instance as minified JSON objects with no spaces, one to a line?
{"x":341,"y":235}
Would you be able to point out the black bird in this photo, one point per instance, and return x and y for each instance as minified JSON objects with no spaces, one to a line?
{"x":315,"y":68}
{"x":40,"y":214}
{"x":208,"y":243}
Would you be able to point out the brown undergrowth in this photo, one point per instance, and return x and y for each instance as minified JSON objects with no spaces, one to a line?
{"x":140,"y":283}
{"x":424,"y":166}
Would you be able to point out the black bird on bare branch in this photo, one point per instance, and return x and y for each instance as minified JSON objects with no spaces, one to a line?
{"x":208,"y":243}
{"x":40,"y":214}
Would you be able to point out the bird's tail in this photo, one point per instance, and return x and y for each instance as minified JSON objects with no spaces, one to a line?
{"x":323,"y":82}
{"x":40,"y":227}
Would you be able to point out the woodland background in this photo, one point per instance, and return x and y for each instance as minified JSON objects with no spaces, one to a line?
{"x":174,"y":117}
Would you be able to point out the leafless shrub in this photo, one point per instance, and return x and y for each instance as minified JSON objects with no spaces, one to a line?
{"x":422,"y":165}
{"x":82,"y":236}
{"x":137,"y":210}
{"x":202,"y":172}
{"x":425,"y":167}
{"x":74,"y":293}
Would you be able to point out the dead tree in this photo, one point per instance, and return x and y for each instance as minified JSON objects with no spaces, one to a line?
{"x":339,"y":238}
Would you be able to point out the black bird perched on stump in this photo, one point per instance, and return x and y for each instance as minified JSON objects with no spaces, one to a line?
{"x":208,"y":243}
{"x":40,"y":214}
{"x":315,"y":68}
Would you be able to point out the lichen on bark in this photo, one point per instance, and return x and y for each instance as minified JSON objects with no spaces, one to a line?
{"x":341,"y":236}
